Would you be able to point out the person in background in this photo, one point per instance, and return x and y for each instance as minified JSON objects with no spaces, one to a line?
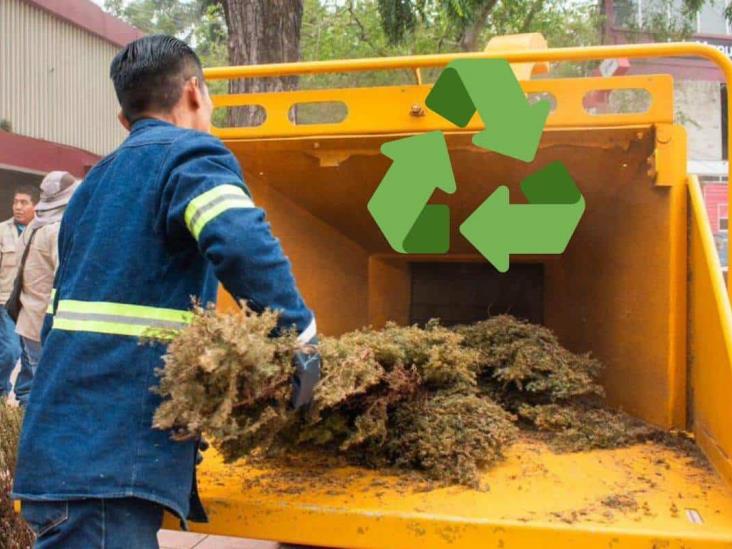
{"x":24,"y":201}
{"x":38,"y":272}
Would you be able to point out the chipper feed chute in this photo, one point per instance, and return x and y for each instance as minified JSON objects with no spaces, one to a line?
{"x":639,"y":286}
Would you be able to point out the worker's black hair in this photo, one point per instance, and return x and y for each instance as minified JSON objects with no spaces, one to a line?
{"x":31,"y":190}
{"x":149,"y":74}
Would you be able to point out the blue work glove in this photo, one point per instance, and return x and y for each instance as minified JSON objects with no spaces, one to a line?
{"x":307,"y":374}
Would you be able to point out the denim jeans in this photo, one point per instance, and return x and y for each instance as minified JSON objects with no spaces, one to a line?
{"x":9,"y":350}
{"x":123,"y":523}
{"x":29,"y":357}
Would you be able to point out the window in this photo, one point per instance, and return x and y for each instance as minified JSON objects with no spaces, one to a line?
{"x":723,"y":223}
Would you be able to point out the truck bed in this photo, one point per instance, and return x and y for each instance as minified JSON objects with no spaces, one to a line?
{"x":647,"y":495}
{"x":640,"y":286}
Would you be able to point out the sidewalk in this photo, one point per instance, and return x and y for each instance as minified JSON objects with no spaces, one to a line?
{"x":170,"y":539}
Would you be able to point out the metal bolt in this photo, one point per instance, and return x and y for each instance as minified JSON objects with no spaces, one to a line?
{"x":416,"y":110}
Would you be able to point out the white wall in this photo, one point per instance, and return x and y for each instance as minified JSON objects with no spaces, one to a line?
{"x":54,"y":80}
{"x":697,"y":107}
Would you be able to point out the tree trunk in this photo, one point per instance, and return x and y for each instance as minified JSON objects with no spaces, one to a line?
{"x":261,"y":31}
{"x":470,"y":35}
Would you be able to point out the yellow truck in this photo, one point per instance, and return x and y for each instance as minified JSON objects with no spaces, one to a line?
{"x":640,"y":286}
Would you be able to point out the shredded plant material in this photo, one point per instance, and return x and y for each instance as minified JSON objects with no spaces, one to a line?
{"x":14,"y":532}
{"x":444,"y":401}
{"x":572,"y":428}
{"x":525,"y":369}
{"x":451,"y":435}
{"x":522,"y":362}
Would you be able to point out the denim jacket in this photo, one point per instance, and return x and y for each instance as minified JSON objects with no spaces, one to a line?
{"x":163,"y":218}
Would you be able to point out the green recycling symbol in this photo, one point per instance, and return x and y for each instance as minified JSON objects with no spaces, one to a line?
{"x":421,"y":164}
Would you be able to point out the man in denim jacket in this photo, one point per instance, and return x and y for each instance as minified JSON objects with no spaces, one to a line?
{"x":163,"y":218}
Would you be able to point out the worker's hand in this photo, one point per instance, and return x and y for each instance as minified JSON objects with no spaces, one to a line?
{"x":307,"y":373}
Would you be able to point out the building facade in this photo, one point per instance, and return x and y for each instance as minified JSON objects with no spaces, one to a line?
{"x":699,"y":86}
{"x":58,"y":109}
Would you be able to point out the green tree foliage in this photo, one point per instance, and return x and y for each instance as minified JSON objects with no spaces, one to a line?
{"x":659,"y":20}
{"x":333,"y":29}
{"x":470,"y":23}
{"x":352,"y":29}
{"x":473,"y":21}
{"x":199,"y":22}
{"x":158,"y":16}
{"x":340,"y":29}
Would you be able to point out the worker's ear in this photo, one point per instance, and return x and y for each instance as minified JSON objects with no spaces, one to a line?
{"x":193,"y":93}
{"x":123,"y":120}
{"x":199,"y":104}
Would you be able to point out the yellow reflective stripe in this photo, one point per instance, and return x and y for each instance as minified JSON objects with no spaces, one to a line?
{"x":112,"y":328}
{"x":202,"y":199}
{"x":212,"y":203}
{"x":217,"y":210}
{"x":117,"y":318}
{"x":124,"y":310}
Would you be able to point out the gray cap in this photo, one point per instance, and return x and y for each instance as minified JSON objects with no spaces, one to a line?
{"x":56,"y":190}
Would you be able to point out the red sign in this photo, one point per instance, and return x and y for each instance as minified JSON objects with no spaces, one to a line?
{"x":715,"y":197}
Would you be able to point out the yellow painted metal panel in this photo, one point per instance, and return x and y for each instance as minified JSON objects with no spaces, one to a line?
{"x":633,"y":235}
{"x":535,"y":499}
{"x":685,"y":49}
{"x":395,"y":108}
{"x":528,"y":41}
{"x":620,"y":290}
{"x":331,"y":269}
{"x":671,"y":173}
{"x":671,"y":49}
{"x":710,"y":341}
{"x":667,"y":165}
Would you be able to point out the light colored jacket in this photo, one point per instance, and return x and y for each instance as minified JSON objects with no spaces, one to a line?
{"x":38,"y":274}
{"x":8,"y":257}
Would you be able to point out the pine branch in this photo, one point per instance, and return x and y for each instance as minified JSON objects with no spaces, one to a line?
{"x":363,"y":34}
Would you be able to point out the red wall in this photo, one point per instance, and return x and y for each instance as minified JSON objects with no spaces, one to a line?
{"x":43,"y":156}
{"x":715,"y":197}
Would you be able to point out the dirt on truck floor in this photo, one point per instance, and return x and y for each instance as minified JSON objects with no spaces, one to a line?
{"x":644,"y":484}
{"x":445,"y":402}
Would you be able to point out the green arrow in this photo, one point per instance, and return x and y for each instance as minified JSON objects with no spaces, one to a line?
{"x":513,"y":126}
{"x":544,"y":226}
{"x":420,"y":165}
